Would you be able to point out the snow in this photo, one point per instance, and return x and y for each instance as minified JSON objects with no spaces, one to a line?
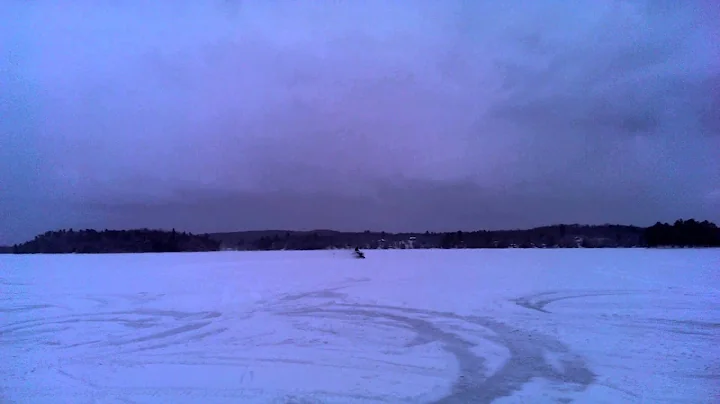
{"x":402,"y":326}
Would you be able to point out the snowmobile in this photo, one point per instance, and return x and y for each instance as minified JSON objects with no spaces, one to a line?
{"x":358,"y":253}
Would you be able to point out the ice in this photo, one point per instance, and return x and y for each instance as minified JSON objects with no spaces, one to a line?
{"x":402,"y":326}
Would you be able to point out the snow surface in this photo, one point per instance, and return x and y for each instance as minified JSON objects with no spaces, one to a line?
{"x":402,"y":326}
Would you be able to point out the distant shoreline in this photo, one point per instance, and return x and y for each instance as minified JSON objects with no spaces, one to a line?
{"x":681,"y":234}
{"x":350,"y":249}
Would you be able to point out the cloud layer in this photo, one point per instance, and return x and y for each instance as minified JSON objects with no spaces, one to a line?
{"x":407,"y":115}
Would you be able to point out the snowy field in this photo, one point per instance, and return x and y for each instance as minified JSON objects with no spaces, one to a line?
{"x":403,"y":326}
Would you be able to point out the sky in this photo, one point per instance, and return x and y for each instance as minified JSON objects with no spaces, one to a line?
{"x":414,"y":115}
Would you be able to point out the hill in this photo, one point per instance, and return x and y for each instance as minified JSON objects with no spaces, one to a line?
{"x":115,"y":241}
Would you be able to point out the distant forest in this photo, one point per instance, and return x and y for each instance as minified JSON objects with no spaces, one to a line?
{"x":115,"y":241}
{"x":683,"y":233}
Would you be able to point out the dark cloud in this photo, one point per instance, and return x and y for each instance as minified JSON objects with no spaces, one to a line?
{"x":405,"y":115}
{"x":418,"y":205}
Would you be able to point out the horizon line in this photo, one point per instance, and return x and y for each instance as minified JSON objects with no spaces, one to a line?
{"x":360,"y":231}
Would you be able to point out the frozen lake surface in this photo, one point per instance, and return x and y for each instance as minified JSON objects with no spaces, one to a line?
{"x":402,"y":326}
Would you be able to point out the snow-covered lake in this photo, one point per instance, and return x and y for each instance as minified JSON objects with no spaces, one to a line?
{"x":402,"y":326}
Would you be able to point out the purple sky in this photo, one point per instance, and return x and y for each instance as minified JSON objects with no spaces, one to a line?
{"x":387,"y":115}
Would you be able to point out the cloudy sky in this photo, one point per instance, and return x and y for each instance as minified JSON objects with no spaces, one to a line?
{"x":404,"y":115}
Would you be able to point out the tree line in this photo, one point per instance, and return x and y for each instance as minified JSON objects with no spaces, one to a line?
{"x":115,"y":241}
{"x":682,"y":233}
